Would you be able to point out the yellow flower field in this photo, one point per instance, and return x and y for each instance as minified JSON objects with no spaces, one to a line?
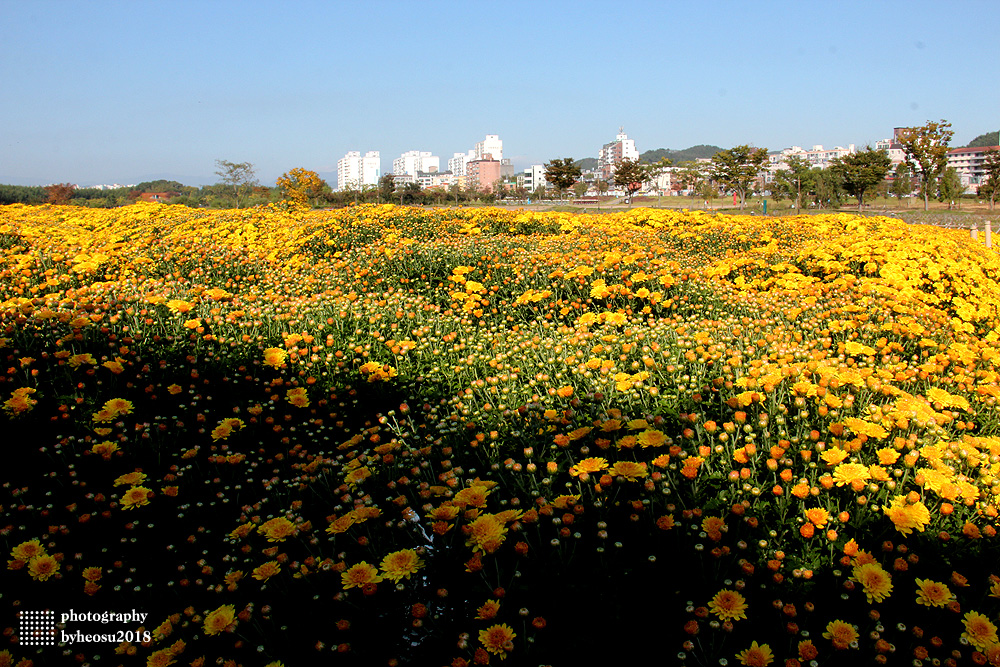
{"x":387,"y":436}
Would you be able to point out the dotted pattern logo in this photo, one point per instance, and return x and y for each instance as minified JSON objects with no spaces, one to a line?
{"x":37,"y":628}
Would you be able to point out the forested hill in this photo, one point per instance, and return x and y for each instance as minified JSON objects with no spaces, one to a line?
{"x":649,"y":157}
{"x":988,"y":139}
{"x":686,"y":155}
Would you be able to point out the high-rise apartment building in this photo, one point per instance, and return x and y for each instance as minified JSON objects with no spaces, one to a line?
{"x":456,"y":164}
{"x":490,"y":147}
{"x":411,"y":162}
{"x":622,"y":148}
{"x":355,"y":171}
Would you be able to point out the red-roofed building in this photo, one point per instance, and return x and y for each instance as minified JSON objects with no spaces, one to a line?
{"x":968,"y":162}
{"x":160,"y":197}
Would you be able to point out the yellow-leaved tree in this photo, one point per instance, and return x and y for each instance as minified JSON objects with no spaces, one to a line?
{"x":301,"y":185}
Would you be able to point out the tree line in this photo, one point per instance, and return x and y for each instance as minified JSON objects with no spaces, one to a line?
{"x":741,"y":170}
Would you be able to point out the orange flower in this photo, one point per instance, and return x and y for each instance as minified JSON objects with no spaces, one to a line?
{"x":713,"y":527}
{"x":486,"y":534}
{"x":980,"y":632}
{"x":488,"y":610}
{"x":274,"y":357}
{"x":498,"y":639}
{"x":841,"y":634}
{"x":651,"y":438}
{"x":360,"y":574}
{"x":630,"y":470}
{"x":807,"y":650}
{"x":27,"y":550}
{"x":400,"y":564}
{"x":728,"y":605}
{"x":297,"y":397}
{"x":756,"y":656}
{"x":593,"y":464}
{"x":933,"y":593}
{"x":876,"y":581}
{"x":818,"y":516}
{"x":137,"y":496}
{"x":907,"y":516}
{"x":220,"y":619}
{"x":277,"y":529}
{"x":42,"y":567}
{"x":266,"y":571}
{"x":850,"y":473}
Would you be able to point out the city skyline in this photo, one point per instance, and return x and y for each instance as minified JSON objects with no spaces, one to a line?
{"x":126,"y":92}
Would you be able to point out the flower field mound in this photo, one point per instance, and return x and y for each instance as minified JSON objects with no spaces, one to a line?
{"x":389,"y":436}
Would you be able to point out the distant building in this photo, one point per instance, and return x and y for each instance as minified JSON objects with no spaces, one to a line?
{"x":892,"y":149}
{"x":482,"y":174}
{"x":532,"y":178}
{"x":492,"y":145}
{"x":816,"y":157}
{"x":354,"y":171}
{"x":968,"y":162}
{"x":456,"y":164}
{"x":158,"y":196}
{"x":489,"y":148}
{"x":435,"y":179}
{"x":412,"y":162}
{"x":622,"y":148}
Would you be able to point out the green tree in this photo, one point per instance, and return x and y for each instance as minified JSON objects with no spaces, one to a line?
{"x":562,"y":173}
{"x":301,"y":185}
{"x":630,"y":176}
{"x":795,"y":179}
{"x":580,"y":188}
{"x":386,"y":187}
{"x":688,"y":176}
{"x":826,"y":188}
{"x":902,"y":182}
{"x":950,"y":187}
{"x":22,"y":194}
{"x":238,"y":179}
{"x":861,"y":172}
{"x":706,"y":191}
{"x":500,"y":191}
{"x":991,"y":181}
{"x":737,"y":169}
{"x":927,"y":148}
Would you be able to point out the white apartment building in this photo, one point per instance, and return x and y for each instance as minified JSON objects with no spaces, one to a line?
{"x":970,"y":165}
{"x":622,"y":148}
{"x":894,"y":150}
{"x":532,"y":178}
{"x":411,"y":162}
{"x":492,"y":145}
{"x":456,"y":164}
{"x":354,"y":171}
{"x":436,"y":179}
{"x":816,"y":157}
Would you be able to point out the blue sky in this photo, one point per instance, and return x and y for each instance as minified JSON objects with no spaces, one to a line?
{"x":99,"y":92}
